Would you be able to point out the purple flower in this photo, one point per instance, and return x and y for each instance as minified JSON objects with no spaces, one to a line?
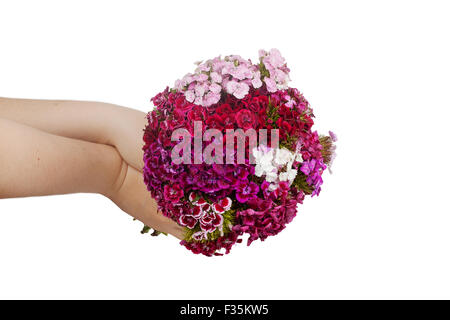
{"x":246,"y":190}
{"x":333,"y":136}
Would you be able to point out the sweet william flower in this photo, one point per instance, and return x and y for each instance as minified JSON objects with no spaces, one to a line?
{"x":199,"y":236}
{"x":238,"y":89}
{"x":187,"y":221}
{"x":215,"y":88}
{"x":173,"y":193}
{"x":246,"y":190}
{"x":216,"y":77}
{"x":197,"y":212}
{"x":283,"y":156}
{"x":256,"y":81}
{"x":190,"y":95}
{"x":333,"y":136}
{"x":245,"y":119}
{"x":270,"y":84}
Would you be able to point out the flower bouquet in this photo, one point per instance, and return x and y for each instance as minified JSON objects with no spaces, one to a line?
{"x":229,"y":150}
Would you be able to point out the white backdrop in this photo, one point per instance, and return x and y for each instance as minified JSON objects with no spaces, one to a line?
{"x":377,"y":73}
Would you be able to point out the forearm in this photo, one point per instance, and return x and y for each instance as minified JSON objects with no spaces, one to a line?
{"x":89,"y":121}
{"x":36,"y":163}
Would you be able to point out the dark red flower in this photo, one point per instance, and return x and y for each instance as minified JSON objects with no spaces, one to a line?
{"x":245,"y":119}
{"x":228,"y":120}
{"x":197,"y":113}
{"x":215,"y":122}
{"x":183,"y":105}
{"x":173,"y":193}
{"x":224,"y":109}
{"x":258,"y":103}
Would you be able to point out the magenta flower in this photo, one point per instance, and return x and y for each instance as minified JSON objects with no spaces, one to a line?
{"x":246,"y":190}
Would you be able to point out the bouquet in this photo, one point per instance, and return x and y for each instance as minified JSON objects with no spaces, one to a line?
{"x":230,"y":150}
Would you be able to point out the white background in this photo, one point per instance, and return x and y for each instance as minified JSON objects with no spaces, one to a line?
{"x":375,"y":72}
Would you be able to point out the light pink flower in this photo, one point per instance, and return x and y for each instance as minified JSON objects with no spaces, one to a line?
{"x":232,"y":86}
{"x":262,"y":53}
{"x":211,"y":98}
{"x":271,"y":84}
{"x":200,"y":77}
{"x":215,"y":88}
{"x":199,"y":101}
{"x":238,"y":89}
{"x":241,"y":72}
{"x":289,"y":101}
{"x":256,"y":82}
{"x":274,"y":58}
{"x":216,"y":77}
{"x":190,"y":95}
{"x":200,"y":90}
{"x":241,"y":91}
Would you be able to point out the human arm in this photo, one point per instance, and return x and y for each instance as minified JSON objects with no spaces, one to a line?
{"x":96,"y":122}
{"x":37,"y":163}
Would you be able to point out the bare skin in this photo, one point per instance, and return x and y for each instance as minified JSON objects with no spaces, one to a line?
{"x":59,"y":147}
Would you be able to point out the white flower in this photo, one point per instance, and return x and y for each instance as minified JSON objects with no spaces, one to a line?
{"x":283,"y":156}
{"x":271,"y":176}
{"x":284,"y":176}
{"x":275,"y":165}
{"x":259,"y":171}
{"x":291,"y":173}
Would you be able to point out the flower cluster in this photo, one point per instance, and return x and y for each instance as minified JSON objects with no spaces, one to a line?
{"x":233,"y":75}
{"x":209,"y":217}
{"x":219,"y":202}
{"x":276,"y":165}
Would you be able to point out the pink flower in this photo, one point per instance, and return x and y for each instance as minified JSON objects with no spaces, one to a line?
{"x":238,"y":89}
{"x":200,"y":90}
{"x":190,"y":95}
{"x":216,"y":77}
{"x":241,"y":72}
{"x":198,"y":101}
{"x":215,"y":88}
{"x":256,"y":81}
{"x":270,"y":84}
{"x":333,"y":136}
{"x":200,"y":77}
{"x":274,"y":59}
{"x":211,"y":98}
{"x":246,"y":190}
